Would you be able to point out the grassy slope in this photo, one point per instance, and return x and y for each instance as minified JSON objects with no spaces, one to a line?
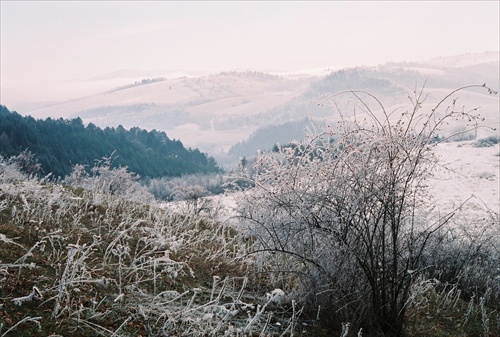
{"x":106,"y":266}
{"x":113,"y":266}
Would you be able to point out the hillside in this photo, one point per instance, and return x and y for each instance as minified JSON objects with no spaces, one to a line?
{"x":77,"y":260}
{"x":208,"y":112}
{"x":320,"y":109}
{"x":59,"y":144}
{"x":216,"y":112}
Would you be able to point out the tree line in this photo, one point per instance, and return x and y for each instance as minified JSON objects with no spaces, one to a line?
{"x":59,"y":144}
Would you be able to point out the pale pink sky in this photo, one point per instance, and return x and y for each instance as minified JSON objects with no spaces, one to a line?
{"x":50,"y":49}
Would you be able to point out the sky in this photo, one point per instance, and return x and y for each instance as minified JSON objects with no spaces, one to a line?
{"x":58,"y":50}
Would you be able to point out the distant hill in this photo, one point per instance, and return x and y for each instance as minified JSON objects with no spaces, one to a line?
{"x":211,"y":113}
{"x":391,"y":83}
{"x":61,"y":143}
{"x":265,"y":138}
{"x":222,"y":114}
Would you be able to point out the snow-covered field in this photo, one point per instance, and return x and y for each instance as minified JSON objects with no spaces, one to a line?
{"x":467,"y":171}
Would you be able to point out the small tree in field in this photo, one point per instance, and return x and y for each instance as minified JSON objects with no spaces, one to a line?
{"x":348,"y":213}
{"x":193,"y":196}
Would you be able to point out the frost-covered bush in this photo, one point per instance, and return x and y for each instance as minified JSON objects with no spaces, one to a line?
{"x":345,"y":219}
{"x":105,"y":180}
{"x":26,"y":162}
{"x":193,"y":197}
{"x":10,"y":172}
{"x":487,"y":142}
{"x":468,"y":255}
{"x":164,"y":188}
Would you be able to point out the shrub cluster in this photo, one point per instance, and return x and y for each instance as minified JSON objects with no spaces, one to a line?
{"x":347,"y":222}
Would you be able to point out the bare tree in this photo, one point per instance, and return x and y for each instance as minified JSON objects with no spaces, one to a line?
{"x":194,"y":197}
{"x":348,"y":213}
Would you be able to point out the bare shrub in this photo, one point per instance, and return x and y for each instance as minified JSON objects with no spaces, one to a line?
{"x":346,"y":219}
{"x":104,"y":181}
{"x":27,"y":162}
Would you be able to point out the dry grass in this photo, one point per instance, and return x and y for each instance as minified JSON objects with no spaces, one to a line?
{"x":81,"y":262}
{"x":108,"y":266}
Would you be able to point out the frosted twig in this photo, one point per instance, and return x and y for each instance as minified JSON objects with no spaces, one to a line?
{"x":28,"y":319}
{"x":34,"y":295}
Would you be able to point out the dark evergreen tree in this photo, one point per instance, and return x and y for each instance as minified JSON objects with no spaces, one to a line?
{"x":59,"y":144}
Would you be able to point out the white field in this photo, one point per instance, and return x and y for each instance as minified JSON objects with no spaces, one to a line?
{"x":467,"y":173}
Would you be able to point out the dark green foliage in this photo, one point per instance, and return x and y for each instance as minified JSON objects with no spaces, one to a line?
{"x":59,"y":144}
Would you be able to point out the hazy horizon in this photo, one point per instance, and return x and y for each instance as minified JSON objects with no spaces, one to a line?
{"x":54,"y":51}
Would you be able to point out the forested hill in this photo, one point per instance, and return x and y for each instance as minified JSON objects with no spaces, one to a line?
{"x":59,"y":144}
